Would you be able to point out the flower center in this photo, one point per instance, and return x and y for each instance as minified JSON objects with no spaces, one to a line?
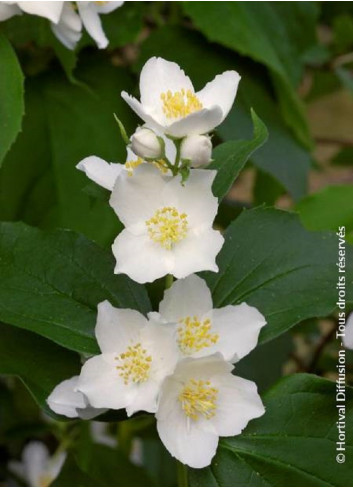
{"x":199,"y":398}
{"x":167,"y":227}
{"x":180,"y":104}
{"x":194,"y":335}
{"x":135,"y":364}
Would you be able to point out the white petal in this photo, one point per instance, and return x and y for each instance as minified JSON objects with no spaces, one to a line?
{"x":116,"y":328}
{"x":200,"y":122}
{"x":49,"y":10}
{"x":64,"y":400}
{"x":8,"y":11}
{"x":107,"y":7}
{"x":137,"y":107}
{"x":158,"y":76}
{"x":92,"y":22}
{"x":101,"y":172}
{"x":136,"y":198}
{"x":160,"y":343}
{"x":186,"y":297}
{"x":348,"y":338}
{"x":90,"y":412}
{"x":100,"y":382}
{"x":182,"y":438}
{"x":195,"y":197}
{"x":68,"y":29}
{"x":202,"y":368}
{"x":220,"y":91}
{"x":140,"y":258}
{"x":237,"y":403}
{"x":238,"y":328}
{"x":35,"y":457}
{"x":145,"y":398}
{"x":197,"y":252}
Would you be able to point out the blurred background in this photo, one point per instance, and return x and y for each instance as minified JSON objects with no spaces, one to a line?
{"x":296,"y":62}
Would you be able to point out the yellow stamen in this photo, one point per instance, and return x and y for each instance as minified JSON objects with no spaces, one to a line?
{"x":179,"y":104}
{"x":194,"y":335}
{"x":134,"y":364}
{"x":132,"y":164}
{"x":167,"y":227}
{"x":198,"y":398}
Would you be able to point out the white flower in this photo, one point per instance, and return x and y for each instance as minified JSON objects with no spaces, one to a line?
{"x":66,"y":400}
{"x":136,"y":357}
{"x":200,"y":330}
{"x":37,"y":466}
{"x":89,"y":13}
{"x":66,"y":23}
{"x":105,"y":174}
{"x":201,"y":401}
{"x":145,"y":143}
{"x":348,"y":336}
{"x":168,"y":226}
{"x":69,"y":27}
{"x":48,"y":10}
{"x":197,"y":149}
{"x":169,"y":102}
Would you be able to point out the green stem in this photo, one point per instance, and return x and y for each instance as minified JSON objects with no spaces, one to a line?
{"x":182,"y":475}
{"x":124,"y":438}
{"x":168,"y":281}
{"x":177,"y":143}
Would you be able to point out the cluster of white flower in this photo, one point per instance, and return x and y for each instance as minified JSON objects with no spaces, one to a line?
{"x":178,"y":362}
{"x":66,"y":18}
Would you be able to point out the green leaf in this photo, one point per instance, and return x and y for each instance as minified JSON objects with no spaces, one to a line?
{"x":293,"y":444}
{"x":72,"y":476}
{"x":282,"y":156}
{"x":264,"y":365}
{"x":266,"y":189}
{"x":39,"y":363}
{"x":230,"y":157}
{"x":329,"y":208}
{"x":51,"y":283}
{"x":271,"y":262}
{"x":11,"y":96}
{"x":39,"y":183}
{"x":258,"y":30}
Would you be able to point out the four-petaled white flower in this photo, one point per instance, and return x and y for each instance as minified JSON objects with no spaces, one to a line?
{"x":37,"y":466}
{"x":201,"y":401}
{"x":168,"y":226}
{"x":136,"y":357}
{"x":200,"y":330}
{"x":169,"y":103}
{"x":66,"y":400}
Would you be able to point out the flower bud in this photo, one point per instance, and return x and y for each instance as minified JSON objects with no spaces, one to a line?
{"x":197,"y":149}
{"x":146,"y":144}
